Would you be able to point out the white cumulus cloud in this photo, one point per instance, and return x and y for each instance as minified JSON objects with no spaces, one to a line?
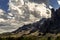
{"x":22,"y":13}
{"x":59,"y":2}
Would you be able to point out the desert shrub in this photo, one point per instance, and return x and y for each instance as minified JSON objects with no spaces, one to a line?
{"x":49,"y":38}
{"x":58,"y":38}
{"x":28,"y":38}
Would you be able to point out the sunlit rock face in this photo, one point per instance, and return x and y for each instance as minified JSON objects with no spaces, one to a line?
{"x":23,"y":12}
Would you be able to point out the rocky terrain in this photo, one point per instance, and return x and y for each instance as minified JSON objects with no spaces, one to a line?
{"x":43,"y":27}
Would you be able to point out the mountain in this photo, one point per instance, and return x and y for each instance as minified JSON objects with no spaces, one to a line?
{"x":46,"y":24}
{"x":44,"y":27}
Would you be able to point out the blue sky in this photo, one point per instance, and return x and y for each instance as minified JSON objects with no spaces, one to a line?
{"x":54,"y":4}
{"x":4,"y":4}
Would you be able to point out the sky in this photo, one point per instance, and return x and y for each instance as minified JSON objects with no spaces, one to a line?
{"x":54,"y":4}
{"x":59,"y":1}
{"x":4,"y":4}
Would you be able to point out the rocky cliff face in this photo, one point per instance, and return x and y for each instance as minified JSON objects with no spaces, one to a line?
{"x":23,"y":12}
